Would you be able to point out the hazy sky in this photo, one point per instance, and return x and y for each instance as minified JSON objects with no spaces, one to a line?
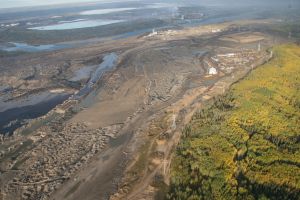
{"x":23,"y":3}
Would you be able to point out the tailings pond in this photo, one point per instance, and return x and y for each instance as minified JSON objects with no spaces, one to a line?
{"x":16,"y":113}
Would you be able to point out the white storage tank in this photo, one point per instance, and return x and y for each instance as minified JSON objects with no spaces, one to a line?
{"x":212,"y":71}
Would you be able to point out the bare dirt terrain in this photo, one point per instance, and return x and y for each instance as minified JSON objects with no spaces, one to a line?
{"x":117,"y":142}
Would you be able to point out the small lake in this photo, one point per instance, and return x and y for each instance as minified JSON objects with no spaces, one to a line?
{"x":76,"y":25}
{"x":105,"y":11}
{"x":117,"y":10}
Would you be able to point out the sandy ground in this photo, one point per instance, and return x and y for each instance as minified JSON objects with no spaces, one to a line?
{"x":115,"y":108}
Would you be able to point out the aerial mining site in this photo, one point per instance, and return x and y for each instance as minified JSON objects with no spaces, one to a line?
{"x":103,"y":120}
{"x":150,"y":87}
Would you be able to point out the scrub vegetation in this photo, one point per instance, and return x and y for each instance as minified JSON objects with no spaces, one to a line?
{"x":245,"y":144}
